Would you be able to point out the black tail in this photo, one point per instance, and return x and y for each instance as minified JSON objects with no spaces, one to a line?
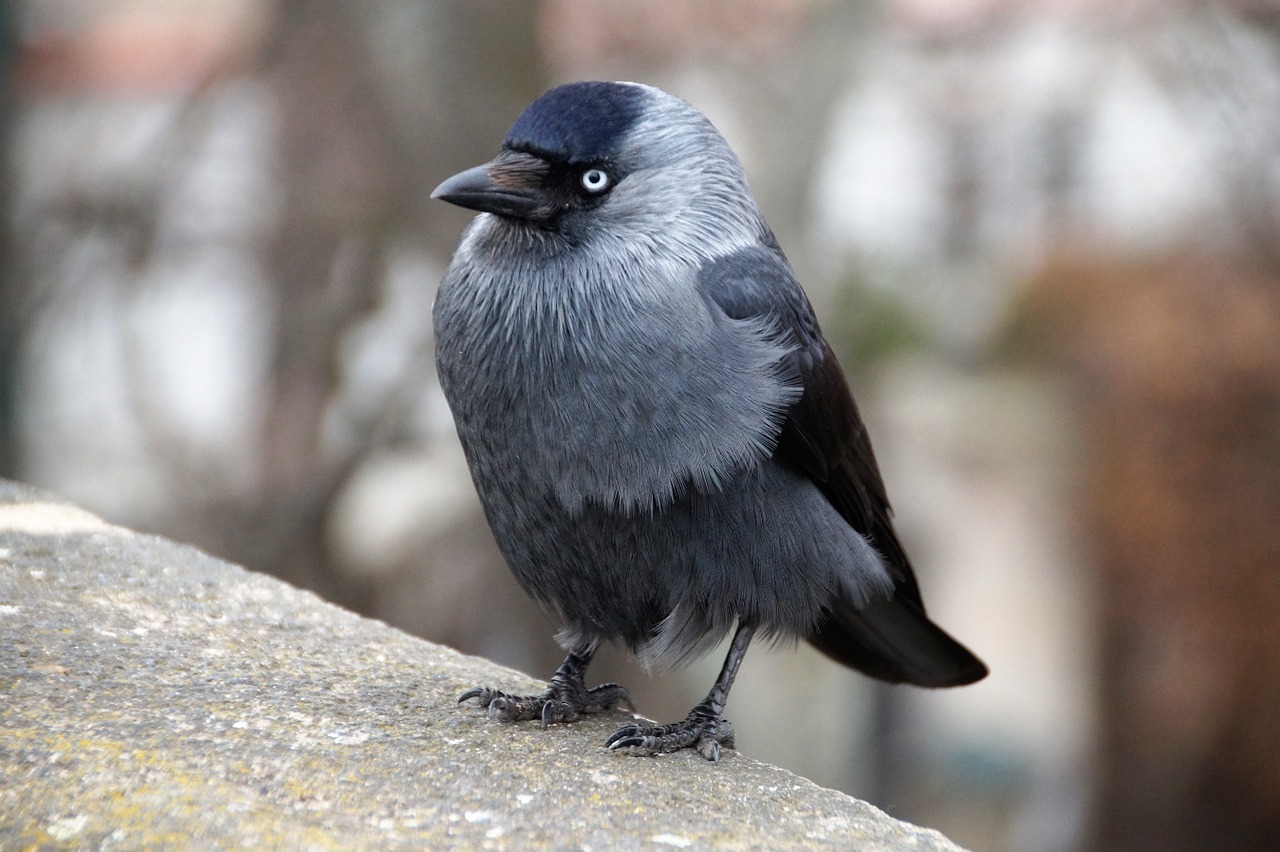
{"x":894,"y":640}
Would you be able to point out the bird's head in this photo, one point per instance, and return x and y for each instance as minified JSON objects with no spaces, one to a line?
{"x":618,"y":157}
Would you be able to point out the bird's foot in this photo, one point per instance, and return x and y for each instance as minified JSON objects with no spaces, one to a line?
{"x":703,"y":729}
{"x":562,"y":701}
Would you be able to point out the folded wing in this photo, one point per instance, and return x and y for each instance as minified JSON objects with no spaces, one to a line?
{"x":823,"y":436}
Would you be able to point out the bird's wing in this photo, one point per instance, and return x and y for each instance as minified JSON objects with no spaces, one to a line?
{"x":823,"y":435}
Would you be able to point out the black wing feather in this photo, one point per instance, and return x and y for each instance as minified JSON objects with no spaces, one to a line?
{"x":824,"y":436}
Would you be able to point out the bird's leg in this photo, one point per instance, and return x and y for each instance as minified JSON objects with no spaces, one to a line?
{"x":565,"y":698}
{"x":704,"y":728}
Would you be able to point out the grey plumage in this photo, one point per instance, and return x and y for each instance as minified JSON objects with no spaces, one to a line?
{"x":661,"y":439}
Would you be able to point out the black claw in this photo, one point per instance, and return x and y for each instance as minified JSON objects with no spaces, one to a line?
{"x":701,"y":730}
{"x":625,"y":732}
{"x":560,"y":711}
{"x":475,"y":692}
{"x":626,"y":742}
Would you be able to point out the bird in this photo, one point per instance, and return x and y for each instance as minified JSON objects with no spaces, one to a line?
{"x":662,"y":440}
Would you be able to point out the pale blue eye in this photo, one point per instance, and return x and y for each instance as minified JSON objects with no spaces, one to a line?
{"x":595,"y":181}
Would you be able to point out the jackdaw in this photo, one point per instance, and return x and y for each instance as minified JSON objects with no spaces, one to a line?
{"x":663,"y":442}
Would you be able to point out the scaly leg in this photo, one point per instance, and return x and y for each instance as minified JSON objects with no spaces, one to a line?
{"x":705,"y":728}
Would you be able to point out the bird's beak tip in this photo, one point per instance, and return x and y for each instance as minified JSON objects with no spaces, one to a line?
{"x":469,"y":188}
{"x":489,"y":189}
{"x":468,"y":181}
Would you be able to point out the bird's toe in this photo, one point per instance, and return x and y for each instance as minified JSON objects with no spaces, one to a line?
{"x":484,"y":693}
{"x":558,"y":712}
{"x":704,"y":734}
{"x":609,"y":696}
{"x":559,"y":703}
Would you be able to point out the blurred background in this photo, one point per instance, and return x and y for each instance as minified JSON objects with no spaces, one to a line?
{"x":1044,"y":237}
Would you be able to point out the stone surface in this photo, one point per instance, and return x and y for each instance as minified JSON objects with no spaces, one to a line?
{"x":153,"y":696}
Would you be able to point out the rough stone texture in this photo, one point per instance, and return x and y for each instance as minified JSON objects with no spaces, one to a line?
{"x":153,"y":696}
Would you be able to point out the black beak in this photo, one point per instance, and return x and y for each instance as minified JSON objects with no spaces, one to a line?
{"x":511,"y":184}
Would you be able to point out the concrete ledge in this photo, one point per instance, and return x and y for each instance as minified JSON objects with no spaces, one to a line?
{"x":153,"y":696}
